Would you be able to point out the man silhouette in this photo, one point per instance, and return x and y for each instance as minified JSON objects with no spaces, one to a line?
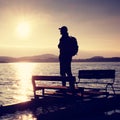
{"x":65,"y":56}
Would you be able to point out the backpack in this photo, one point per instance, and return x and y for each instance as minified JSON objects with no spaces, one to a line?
{"x":74,"y":46}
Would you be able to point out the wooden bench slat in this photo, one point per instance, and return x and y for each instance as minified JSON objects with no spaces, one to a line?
{"x":98,"y":74}
{"x":106,"y":77}
{"x":51,"y":87}
{"x":53,"y":78}
{"x":37,"y":86}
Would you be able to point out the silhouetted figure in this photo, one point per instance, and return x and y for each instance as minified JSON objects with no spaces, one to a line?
{"x":65,"y":45}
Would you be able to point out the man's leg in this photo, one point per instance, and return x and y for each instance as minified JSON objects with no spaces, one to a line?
{"x":68,"y":67}
{"x":62,"y":72}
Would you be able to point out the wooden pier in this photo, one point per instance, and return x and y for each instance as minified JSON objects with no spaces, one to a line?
{"x":70,"y":101}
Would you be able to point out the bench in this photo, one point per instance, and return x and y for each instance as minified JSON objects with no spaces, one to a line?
{"x":96,"y":80}
{"x":42,"y":83}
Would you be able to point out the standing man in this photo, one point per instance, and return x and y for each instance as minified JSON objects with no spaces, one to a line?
{"x":65,"y":57}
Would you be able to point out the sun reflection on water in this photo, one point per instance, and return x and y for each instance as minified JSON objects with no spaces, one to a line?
{"x":24,"y":73}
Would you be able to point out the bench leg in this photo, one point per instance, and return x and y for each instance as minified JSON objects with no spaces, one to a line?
{"x":35,"y":96}
{"x":111,"y":87}
{"x":43,"y":92}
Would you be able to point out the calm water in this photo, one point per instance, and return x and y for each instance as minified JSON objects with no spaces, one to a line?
{"x":15,"y":79}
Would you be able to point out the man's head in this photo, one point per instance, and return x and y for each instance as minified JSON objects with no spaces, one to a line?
{"x":63,"y":30}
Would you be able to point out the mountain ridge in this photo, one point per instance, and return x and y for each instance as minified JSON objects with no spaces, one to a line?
{"x":54,"y":58}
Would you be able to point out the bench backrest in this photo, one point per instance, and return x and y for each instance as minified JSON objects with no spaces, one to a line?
{"x":71,"y":80}
{"x":53,"y":78}
{"x":96,"y":74}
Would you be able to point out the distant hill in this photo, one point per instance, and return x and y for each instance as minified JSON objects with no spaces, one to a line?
{"x":5,"y":59}
{"x":54,"y":58}
{"x":39,"y":58}
{"x":99,"y":59}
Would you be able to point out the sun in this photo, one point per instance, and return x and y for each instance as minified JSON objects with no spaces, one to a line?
{"x":23,"y":29}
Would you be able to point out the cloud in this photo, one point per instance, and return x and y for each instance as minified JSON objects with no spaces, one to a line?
{"x":70,"y":7}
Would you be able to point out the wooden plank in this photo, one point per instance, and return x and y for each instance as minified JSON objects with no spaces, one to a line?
{"x":39,"y":78}
{"x":106,"y":77}
{"x":98,"y":74}
{"x":53,"y":78}
{"x":50,"y":87}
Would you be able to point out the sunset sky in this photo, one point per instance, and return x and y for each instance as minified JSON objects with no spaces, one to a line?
{"x":30,"y":27}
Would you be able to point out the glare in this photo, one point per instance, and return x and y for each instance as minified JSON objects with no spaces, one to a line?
{"x":24,"y":73}
{"x":23,"y":29}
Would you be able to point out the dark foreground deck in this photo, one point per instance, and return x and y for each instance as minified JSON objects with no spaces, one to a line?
{"x":56,"y":108}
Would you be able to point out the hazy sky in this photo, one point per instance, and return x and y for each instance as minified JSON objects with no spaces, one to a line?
{"x":30,"y":27}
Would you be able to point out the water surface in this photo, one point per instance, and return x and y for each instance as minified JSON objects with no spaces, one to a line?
{"x":16,"y":85}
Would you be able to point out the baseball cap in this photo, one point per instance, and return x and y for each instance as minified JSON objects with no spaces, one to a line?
{"x":64,"y":28}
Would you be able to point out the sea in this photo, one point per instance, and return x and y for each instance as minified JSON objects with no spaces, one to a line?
{"x":16,"y":82}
